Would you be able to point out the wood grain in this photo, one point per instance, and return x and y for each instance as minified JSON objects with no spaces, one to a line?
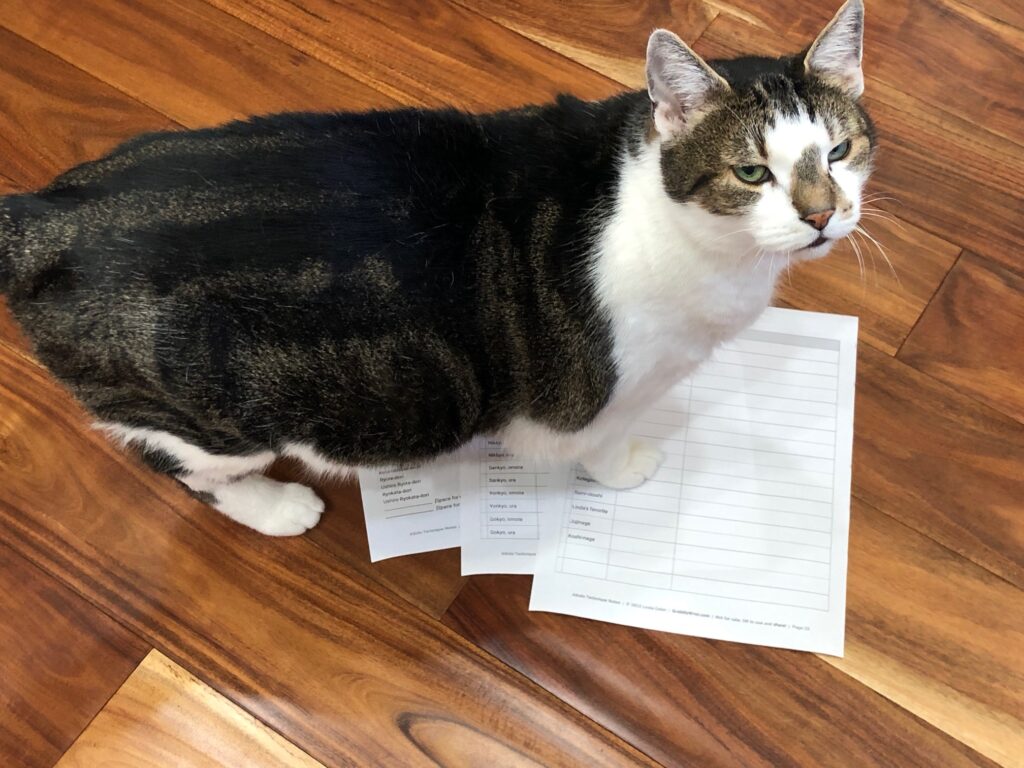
{"x":607,"y":36}
{"x":936,"y":634}
{"x":972,"y":335}
{"x":940,"y":462}
{"x":888,"y":300}
{"x":311,"y":648}
{"x":947,"y":177}
{"x":427,"y":53}
{"x":1007,"y":11}
{"x":79,"y":119}
{"x":184,"y":58}
{"x":62,"y":657}
{"x":430,"y":581}
{"x":10,"y":331}
{"x":164,"y":716}
{"x":688,"y":701}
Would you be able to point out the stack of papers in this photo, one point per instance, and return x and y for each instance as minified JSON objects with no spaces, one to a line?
{"x":741,"y":534}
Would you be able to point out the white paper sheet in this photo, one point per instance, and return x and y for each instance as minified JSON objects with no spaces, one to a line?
{"x":410,"y":508}
{"x":742,"y":533}
{"x":503,"y":498}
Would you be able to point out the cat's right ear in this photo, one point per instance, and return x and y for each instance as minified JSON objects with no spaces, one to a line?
{"x":679,"y":82}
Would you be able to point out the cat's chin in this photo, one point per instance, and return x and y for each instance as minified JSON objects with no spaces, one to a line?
{"x":812,"y":252}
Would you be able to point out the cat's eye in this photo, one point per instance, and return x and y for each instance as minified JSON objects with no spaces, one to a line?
{"x":752,"y":174}
{"x":839,"y":151}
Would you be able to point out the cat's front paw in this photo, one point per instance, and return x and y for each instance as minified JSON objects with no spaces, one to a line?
{"x":637,"y":462}
{"x":297,"y":510}
{"x":269,"y":506}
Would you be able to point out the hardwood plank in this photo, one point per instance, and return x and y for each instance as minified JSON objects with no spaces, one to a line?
{"x":53,"y":115}
{"x":941,"y":462}
{"x":936,"y":634}
{"x":62,"y":657}
{"x":970,"y":336}
{"x":309,"y":647}
{"x":430,"y":581}
{"x":607,"y":36}
{"x":927,"y":157}
{"x":10,"y":331}
{"x":184,"y":58}
{"x":948,"y":177}
{"x":887,"y":301}
{"x":941,"y":51}
{"x":688,"y":701}
{"x":164,"y":716}
{"x":429,"y":53}
{"x":1007,"y":11}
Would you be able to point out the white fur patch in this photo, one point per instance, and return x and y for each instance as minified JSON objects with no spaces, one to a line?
{"x":269,"y":506}
{"x":318,"y":464}
{"x":206,"y":469}
{"x":675,"y":281}
{"x":265,"y":505}
{"x":788,"y":139}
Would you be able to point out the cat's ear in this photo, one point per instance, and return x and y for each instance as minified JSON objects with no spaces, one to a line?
{"x":678,"y":80}
{"x":836,"y":55}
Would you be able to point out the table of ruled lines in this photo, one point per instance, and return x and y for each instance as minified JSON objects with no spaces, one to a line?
{"x":509,"y":488}
{"x":742,"y":507}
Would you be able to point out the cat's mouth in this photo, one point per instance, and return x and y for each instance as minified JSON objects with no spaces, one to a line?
{"x":821,"y":240}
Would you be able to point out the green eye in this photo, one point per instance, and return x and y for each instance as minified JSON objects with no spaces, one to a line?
{"x":839,"y":151}
{"x":752,"y":174}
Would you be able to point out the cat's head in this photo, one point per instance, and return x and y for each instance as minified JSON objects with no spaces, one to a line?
{"x":778,"y":149}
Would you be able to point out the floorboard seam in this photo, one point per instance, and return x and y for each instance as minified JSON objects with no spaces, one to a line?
{"x":928,"y":305}
{"x":95,"y":77}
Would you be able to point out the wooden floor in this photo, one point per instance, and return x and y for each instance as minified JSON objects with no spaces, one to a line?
{"x":137,"y":625}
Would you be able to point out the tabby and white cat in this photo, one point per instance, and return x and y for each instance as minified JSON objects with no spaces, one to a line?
{"x":360,"y":289}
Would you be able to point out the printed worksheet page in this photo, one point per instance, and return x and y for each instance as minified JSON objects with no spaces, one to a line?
{"x":503,"y":497}
{"x":742,"y":533}
{"x":410,"y":508}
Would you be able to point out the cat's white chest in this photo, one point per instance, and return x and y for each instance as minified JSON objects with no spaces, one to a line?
{"x":658,"y":343}
{"x":671,"y":295}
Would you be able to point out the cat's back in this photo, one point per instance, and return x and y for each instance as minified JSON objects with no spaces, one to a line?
{"x":258,"y":202}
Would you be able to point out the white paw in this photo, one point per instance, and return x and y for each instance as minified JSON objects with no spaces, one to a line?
{"x":643,"y":461}
{"x":270,"y":507}
{"x":297,"y":510}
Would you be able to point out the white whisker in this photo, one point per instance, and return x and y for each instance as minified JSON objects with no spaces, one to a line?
{"x":884,"y":217}
{"x":877,"y":197}
{"x":881,"y":250}
{"x":727,"y":234}
{"x":860,"y":264}
{"x":760,"y":258}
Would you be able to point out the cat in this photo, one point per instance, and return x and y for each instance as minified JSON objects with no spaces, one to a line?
{"x":360,"y":289}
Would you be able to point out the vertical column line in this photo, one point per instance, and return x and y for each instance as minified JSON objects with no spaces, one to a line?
{"x":682,"y":478}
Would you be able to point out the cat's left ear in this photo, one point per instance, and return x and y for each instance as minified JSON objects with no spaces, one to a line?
{"x":835,"y":56}
{"x":679,"y":82}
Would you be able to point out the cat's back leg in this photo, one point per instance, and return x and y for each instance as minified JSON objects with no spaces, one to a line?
{"x":232,"y":484}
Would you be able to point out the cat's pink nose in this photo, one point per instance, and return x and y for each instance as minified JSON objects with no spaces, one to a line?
{"x":819,"y":219}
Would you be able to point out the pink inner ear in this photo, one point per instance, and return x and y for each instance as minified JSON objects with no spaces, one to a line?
{"x":667,"y":118}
